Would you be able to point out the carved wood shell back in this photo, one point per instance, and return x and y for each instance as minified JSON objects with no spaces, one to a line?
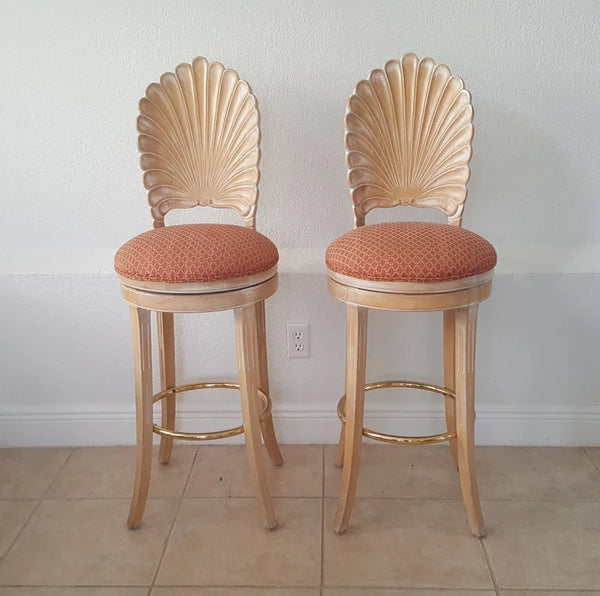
{"x":408,"y":139}
{"x":199,"y":141}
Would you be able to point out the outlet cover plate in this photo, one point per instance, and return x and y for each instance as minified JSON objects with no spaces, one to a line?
{"x":298,"y":340}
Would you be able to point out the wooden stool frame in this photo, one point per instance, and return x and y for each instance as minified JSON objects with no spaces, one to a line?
{"x":249,"y":312}
{"x":199,"y":139}
{"x":408,"y":132}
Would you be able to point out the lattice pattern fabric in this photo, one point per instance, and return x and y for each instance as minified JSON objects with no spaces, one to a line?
{"x":410,"y":251}
{"x":195,"y":253}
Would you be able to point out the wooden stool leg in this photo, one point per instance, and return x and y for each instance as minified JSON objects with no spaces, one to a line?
{"x":339,"y":456}
{"x":248,"y":372}
{"x":166,"y":353}
{"x":449,"y":378}
{"x":267,"y":428}
{"x":466,"y":328}
{"x":356,"y":359}
{"x":142,"y":361}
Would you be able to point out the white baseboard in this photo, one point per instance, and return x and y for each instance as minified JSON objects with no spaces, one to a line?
{"x":573,"y":427}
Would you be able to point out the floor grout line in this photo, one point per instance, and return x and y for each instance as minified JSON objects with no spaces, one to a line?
{"x":546,"y":591}
{"x":412,"y":589}
{"x":585,"y":450}
{"x":36,"y":507}
{"x":53,"y":482}
{"x":488,"y":561}
{"x":322,"y":521}
{"x":311,"y":497}
{"x":170,"y":532}
{"x":284,"y":586}
{"x":71,"y":586}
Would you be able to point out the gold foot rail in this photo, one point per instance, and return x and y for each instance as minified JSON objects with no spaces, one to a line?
{"x":209,"y":436}
{"x":377,"y":436}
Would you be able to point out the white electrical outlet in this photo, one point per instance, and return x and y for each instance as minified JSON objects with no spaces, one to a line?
{"x":298,"y":340}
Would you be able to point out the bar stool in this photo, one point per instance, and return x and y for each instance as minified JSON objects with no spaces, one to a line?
{"x":199,"y":142}
{"x":408,"y":132}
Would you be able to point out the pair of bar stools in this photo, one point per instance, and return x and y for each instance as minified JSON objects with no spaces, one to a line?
{"x":408,"y":142}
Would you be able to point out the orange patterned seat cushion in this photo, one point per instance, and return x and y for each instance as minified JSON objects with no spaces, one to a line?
{"x":195,"y":253}
{"x":410,"y":251}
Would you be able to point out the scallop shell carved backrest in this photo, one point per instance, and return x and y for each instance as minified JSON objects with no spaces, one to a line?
{"x":199,"y":141}
{"x":408,"y":139}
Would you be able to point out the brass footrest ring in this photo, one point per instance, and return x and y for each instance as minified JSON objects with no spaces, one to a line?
{"x":377,"y":436}
{"x":210,"y":436}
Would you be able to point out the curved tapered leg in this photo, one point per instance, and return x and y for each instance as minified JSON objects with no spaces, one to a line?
{"x":166,"y":354}
{"x":248,"y":372}
{"x":356,"y":359}
{"x":142,"y":361}
{"x":449,"y":378}
{"x":466,"y":329}
{"x":266,"y":425}
{"x":339,"y":456}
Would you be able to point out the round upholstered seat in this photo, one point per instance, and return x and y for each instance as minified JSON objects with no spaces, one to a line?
{"x":195,"y":253}
{"x":410,"y":251}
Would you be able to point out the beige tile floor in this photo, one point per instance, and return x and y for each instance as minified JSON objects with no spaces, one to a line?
{"x":63,"y":533}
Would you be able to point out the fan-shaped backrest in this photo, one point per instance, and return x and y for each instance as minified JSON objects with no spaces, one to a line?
{"x":408,"y":139}
{"x":199,"y":140}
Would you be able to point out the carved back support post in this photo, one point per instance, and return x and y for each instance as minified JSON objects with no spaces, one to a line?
{"x":199,"y":141}
{"x":408,"y":132}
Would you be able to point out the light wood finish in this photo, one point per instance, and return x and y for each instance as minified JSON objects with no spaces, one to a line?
{"x":408,"y":132}
{"x":449,"y":378}
{"x":266,"y":425}
{"x":199,"y":302}
{"x":248,"y":357}
{"x":142,"y":359}
{"x":166,"y":357}
{"x":409,"y":302}
{"x":356,"y":361}
{"x":199,"y":138}
{"x":199,"y":142}
{"x":408,"y":139}
{"x":465,"y":333}
{"x":210,"y":287}
{"x":339,"y":456}
{"x":413,"y":287}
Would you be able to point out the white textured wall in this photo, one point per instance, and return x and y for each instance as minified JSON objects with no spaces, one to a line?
{"x":71,"y":73}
